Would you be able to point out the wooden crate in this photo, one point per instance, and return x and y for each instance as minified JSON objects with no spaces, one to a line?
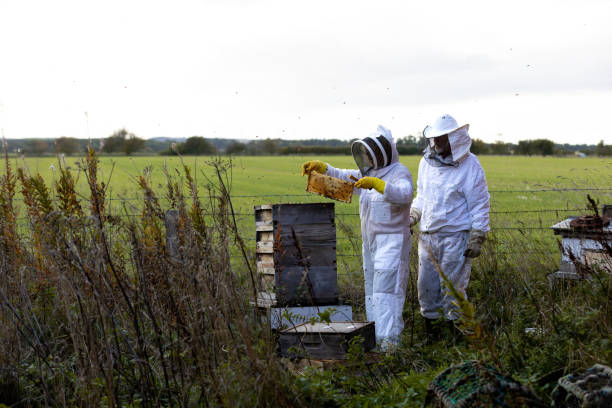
{"x":296,"y":253}
{"x":325,"y":340}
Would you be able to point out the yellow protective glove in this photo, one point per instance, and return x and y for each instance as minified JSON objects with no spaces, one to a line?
{"x":371,"y":183}
{"x":316,"y":165}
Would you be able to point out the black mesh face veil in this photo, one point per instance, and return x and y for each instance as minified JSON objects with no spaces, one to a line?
{"x":386,"y":148}
{"x":379,"y":159}
{"x":381,"y":148}
{"x":362,"y":156}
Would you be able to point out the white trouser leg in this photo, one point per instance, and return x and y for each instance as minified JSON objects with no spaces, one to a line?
{"x":428,"y":281}
{"x":457,"y":269}
{"x":447,"y":251}
{"x":368,"y":279}
{"x":391,"y":270}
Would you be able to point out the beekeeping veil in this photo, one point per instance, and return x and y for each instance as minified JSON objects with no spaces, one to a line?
{"x":374,"y":152}
{"x":458,"y":138}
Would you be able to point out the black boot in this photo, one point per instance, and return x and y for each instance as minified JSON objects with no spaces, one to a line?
{"x":454,"y":332}
{"x":432,"y":331}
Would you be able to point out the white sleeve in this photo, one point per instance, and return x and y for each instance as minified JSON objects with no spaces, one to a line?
{"x":399,"y":189}
{"x":344,"y":174}
{"x":418,"y":201}
{"x":477,"y":197}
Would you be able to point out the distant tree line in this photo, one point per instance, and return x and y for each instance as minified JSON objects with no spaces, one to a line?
{"x":123,"y":142}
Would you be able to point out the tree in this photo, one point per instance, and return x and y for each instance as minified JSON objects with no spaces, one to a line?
{"x":479,"y":147}
{"x":236,"y":148}
{"x":525,"y":147}
{"x":197,"y":145}
{"x":36,"y":147}
{"x":132,"y":144}
{"x":500,"y":148}
{"x":268,"y":146}
{"x":114,"y":143}
{"x":67,"y":145}
{"x":544,"y":147}
{"x":602,"y":150}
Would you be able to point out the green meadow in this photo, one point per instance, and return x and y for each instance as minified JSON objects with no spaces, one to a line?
{"x":101,"y":314}
{"x":528,"y":194}
{"x":515,"y":183}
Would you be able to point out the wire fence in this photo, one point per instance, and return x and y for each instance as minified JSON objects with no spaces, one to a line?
{"x":349,"y":242}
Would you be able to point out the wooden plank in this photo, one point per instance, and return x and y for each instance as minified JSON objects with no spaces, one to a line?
{"x":263,"y":215}
{"x":311,"y":213}
{"x":266,"y":258}
{"x":307,"y":234}
{"x":264,"y":226}
{"x":317,"y":285}
{"x":266,"y":283}
{"x":265,"y":247}
{"x":265,"y":236}
{"x":265,"y":267}
{"x":310,"y":255}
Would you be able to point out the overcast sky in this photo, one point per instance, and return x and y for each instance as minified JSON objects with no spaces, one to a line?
{"x":310,"y":69}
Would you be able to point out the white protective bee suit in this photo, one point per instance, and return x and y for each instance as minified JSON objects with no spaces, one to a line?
{"x":452,"y":201}
{"x":385,"y":232}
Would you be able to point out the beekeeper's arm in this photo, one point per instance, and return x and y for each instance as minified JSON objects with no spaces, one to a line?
{"x":328,"y":169}
{"x":417,"y":205}
{"x":477,"y":197}
{"x":398,"y":190}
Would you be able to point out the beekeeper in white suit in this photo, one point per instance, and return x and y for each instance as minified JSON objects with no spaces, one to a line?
{"x":452,"y":205}
{"x":385,"y":189}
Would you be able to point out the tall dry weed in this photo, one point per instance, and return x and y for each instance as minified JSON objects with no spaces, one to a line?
{"x":101,"y":307}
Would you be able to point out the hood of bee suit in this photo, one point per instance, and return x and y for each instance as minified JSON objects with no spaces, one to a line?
{"x":458,"y":138}
{"x":382,"y":152}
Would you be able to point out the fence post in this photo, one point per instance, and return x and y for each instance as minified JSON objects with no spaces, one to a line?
{"x":171,"y":220}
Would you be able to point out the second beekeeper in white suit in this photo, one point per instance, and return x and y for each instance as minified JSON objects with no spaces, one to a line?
{"x":385,"y":189}
{"x":452,"y":204}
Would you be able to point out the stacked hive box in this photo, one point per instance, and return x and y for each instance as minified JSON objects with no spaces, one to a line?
{"x":296,"y":253}
{"x":296,"y":262}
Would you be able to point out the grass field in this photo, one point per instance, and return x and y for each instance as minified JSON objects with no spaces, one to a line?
{"x":277,"y":179}
{"x":515,"y":184}
{"x":521,"y":203}
{"x":98,"y":311}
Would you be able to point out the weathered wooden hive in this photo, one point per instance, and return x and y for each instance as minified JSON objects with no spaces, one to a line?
{"x":296,"y":253}
{"x":582,"y":244}
{"x":326,"y":340}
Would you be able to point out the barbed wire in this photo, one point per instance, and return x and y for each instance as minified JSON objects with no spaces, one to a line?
{"x":250,"y":214}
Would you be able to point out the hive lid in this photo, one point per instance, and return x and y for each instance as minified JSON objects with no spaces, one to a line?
{"x":330,"y":187}
{"x":324,"y":327}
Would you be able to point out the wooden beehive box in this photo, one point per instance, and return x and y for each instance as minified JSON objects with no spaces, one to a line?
{"x":323,"y":340}
{"x":296,"y":253}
